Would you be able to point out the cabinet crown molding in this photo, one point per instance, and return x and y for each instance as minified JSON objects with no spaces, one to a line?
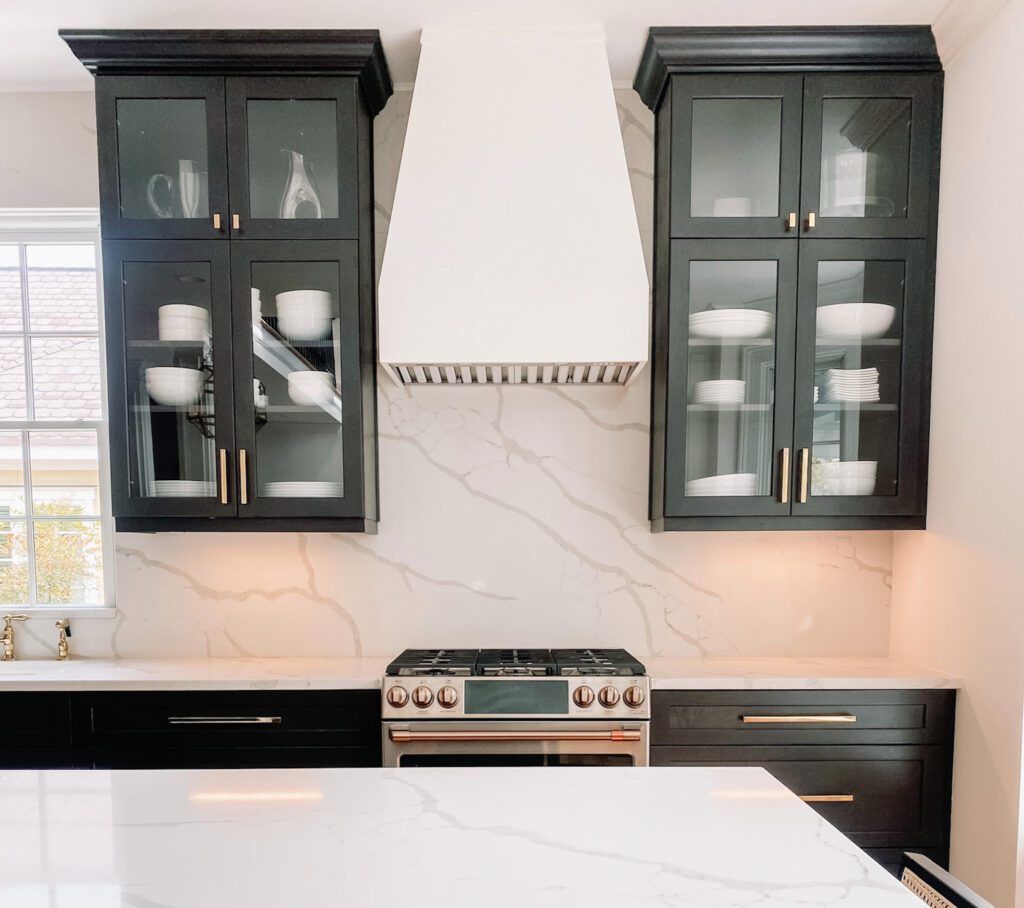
{"x":339,"y":52}
{"x":670,"y":50}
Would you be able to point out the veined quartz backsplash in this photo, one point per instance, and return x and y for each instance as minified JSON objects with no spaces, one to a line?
{"x":510,"y":516}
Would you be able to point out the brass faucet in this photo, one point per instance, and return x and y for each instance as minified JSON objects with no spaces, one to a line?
{"x":8,"y":637}
{"x":63,"y":648}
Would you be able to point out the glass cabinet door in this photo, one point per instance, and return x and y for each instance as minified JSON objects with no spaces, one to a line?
{"x":297,"y":378}
{"x":163,"y":171}
{"x":735,"y":156}
{"x":293,"y":158}
{"x":859,"y":395}
{"x":868,"y":151}
{"x":170,"y":376}
{"x":730,"y":379}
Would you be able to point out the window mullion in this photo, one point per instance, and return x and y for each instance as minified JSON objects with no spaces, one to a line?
{"x":30,"y":540}
{"x":30,"y":397}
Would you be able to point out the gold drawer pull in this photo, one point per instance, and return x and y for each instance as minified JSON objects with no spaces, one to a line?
{"x":236,"y":222}
{"x":223,"y":476}
{"x":791,"y":221}
{"x":216,"y":221}
{"x":803,"y":470}
{"x":243,"y":477}
{"x":826,"y":799}
{"x":784,"y":476}
{"x":832,"y":719}
{"x":812,"y":220}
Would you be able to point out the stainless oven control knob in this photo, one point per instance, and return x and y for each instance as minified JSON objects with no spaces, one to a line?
{"x":583,"y":696}
{"x":633,"y":696}
{"x":422,"y":696}
{"x":398,"y":696}
{"x":447,"y":696}
{"x":608,"y":696}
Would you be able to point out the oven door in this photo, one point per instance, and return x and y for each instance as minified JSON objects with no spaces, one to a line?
{"x":522,"y":743}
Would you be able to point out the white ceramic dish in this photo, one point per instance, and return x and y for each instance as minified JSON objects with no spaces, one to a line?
{"x":310,"y":389}
{"x":301,"y":327}
{"x":174,"y":386}
{"x":846,"y":468}
{"x":848,"y":485}
{"x":721,"y":323}
{"x":303,"y":490}
{"x":719,"y":391}
{"x":182,"y":310}
{"x":311,"y":302}
{"x":854,"y":320}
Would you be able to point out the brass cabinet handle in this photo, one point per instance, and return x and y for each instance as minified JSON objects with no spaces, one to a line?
{"x":791,"y":221}
{"x":243,"y":478}
{"x":223,"y":475}
{"x":236,"y":222}
{"x":804,"y":466}
{"x":216,"y":220}
{"x":812,"y":220}
{"x":223,"y":720}
{"x":784,"y":476}
{"x":826,"y":799}
{"x":826,"y":719}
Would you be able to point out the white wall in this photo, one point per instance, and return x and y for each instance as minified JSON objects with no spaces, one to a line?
{"x":48,"y":154}
{"x":959,"y":587}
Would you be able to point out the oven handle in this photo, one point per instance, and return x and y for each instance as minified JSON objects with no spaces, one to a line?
{"x":402,"y":736}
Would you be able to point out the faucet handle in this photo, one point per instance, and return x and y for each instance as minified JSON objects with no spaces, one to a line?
{"x":64,"y":625}
{"x":9,"y":618}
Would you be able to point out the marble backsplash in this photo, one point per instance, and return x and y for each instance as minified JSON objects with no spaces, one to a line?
{"x":509,"y":516}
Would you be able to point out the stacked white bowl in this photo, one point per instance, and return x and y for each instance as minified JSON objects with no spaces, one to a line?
{"x":725,"y":484}
{"x":846,"y":477}
{"x":179,"y":322}
{"x":174,"y":386}
{"x":730,"y":323}
{"x":719,"y":391}
{"x":310,"y":389}
{"x":304,"y":315}
{"x":844,"y":321}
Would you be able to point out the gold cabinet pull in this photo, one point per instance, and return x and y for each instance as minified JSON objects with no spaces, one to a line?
{"x":216,"y":220}
{"x":812,"y":220}
{"x":243,"y":478}
{"x":236,"y":222}
{"x":784,"y":475}
{"x":826,"y":799}
{"x":791,"y":221}
{"x":824,"y":719}
{"x":223,"y":475}
{"x":804,"y":466}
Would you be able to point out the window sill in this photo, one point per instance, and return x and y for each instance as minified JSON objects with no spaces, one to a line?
{"x":71,"y":612}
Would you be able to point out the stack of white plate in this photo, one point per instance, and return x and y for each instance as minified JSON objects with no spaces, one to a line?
{"x":178,"y":322}
{"x":853,"y":321}
{"x":181,"y":488}
{"x":850,"y":384}
{"x":730,"y":323}
{"x":719,"y":391}
{"x":302,"y":490}
{"x":847,"y":477}
{"x":732,"y":484}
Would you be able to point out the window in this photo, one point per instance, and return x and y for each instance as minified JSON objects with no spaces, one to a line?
{"x":55,"y":534}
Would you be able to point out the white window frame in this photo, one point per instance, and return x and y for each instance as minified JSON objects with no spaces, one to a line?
{"x":53,"y":226}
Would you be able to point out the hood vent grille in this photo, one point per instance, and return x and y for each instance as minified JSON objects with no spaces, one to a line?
{"x":514,"y":374}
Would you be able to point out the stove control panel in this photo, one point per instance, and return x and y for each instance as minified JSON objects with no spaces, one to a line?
{"x":551,"y":697}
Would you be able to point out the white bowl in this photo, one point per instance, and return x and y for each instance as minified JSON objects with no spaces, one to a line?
{"x":181,"y":310}
{"x":182,"y":328}
{"x":310,"y":389}
{"x":174,"y":386}
{"x":848,"y":485}
{"x":313,"y":302}
{"x":846,"y":469}
{"x":730,"y":323}
{"x":855,"y":320}
{"x":299,"y":327}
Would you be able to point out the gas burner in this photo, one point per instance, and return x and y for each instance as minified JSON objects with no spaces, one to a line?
{"x":433,"y":662}
{"x":596,"y":662}
{"x":513,"y":662}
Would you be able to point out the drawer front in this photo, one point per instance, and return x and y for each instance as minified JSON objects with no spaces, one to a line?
{"x":34,"y":720}
{"x":877,"y":795}
{"x":233,"y":719}
{"x":802,"y":717}
{"x":265,"y":757}
{"x":892,"y":858}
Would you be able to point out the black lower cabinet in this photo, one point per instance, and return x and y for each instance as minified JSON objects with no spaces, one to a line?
{"x":875,"y":764}
{"x":226,"y":729}
{"x":34,"y":731}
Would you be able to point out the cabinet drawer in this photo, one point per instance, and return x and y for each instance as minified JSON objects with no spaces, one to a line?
{"x":34,"y":720}
{"x":234,"y":719}
{"x":880,"y":796}
{"x":802,"y":717}
{"x":266,"y":757}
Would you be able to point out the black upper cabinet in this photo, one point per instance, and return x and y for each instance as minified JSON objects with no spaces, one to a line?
{"x":796,"y":193}
{"x":237,"y":216}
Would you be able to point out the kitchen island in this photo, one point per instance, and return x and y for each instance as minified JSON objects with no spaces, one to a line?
{"x":370,"y":838}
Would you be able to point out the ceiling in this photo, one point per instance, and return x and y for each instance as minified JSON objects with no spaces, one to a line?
{"x":33,"y":58}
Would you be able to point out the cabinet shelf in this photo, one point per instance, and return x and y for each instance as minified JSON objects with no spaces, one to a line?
{"x":854,"y":406}
{"x":731,"y":341}
{"x":728,"y":408}
{"x":859,"y":342}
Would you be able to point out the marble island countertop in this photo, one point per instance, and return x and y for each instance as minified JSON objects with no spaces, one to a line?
{"x":825,"y":673}
{"x":379,"y":838}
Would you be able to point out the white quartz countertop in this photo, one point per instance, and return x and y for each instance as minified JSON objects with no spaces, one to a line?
{"x":380,"y":838}
{"x":341,"y":674}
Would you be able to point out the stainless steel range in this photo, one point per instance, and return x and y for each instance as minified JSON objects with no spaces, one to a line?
{"x":538,"y":707}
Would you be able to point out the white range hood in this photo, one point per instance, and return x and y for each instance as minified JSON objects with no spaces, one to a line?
{"x":513,"y":253}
